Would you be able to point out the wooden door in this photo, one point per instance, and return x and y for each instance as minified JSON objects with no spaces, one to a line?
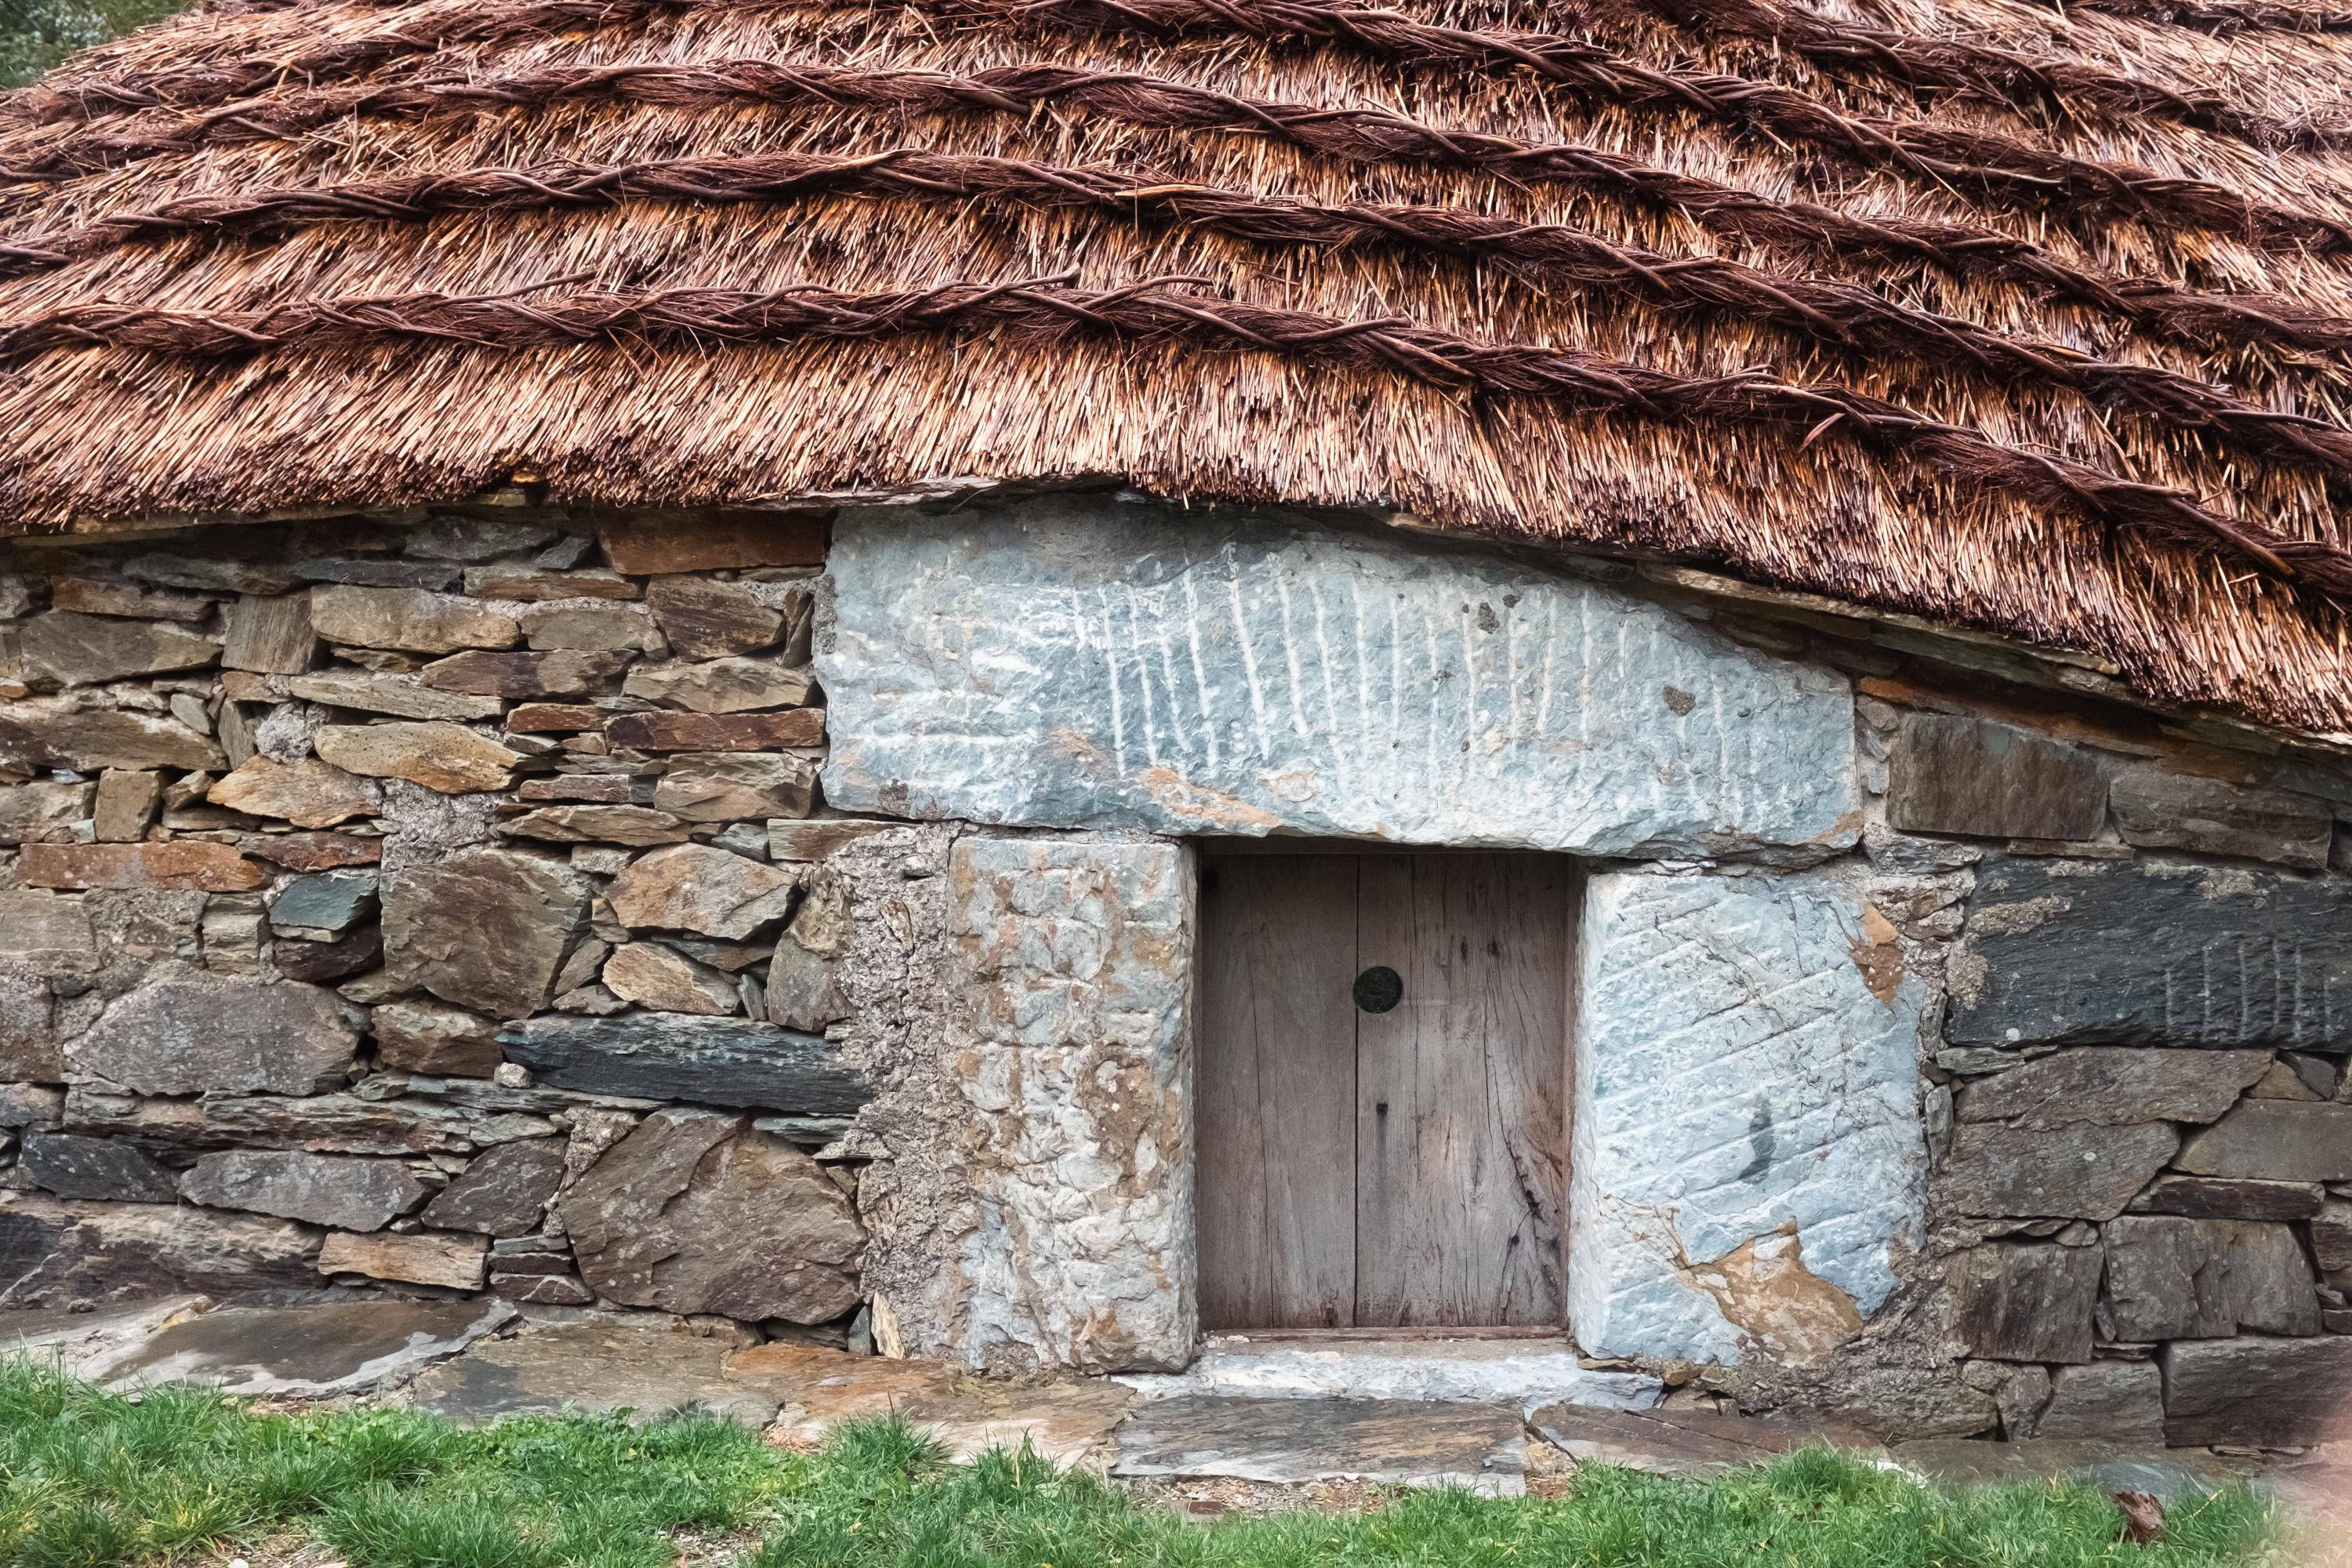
{"x":1383,"y":1154}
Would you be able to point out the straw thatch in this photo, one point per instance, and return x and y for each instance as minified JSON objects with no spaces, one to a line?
{"x":2026,"y":317}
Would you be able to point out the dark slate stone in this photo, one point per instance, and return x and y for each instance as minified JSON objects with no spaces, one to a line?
{"x":2216,"y":1197}
{"x":2172,"y":1278}
{"x":505,"y":1192}
{"x":2028,"y":1301}
{"x":2274,"y":1392}
{"x":53,"y":1252}
{"x":712,"y":1061}
{"x":2067,"y":1173}
{"x":75,"y":1167}
{"x":2130,"y":953}
{"x":332,"y":904}
{"x":1948,"y":774}
{"x":2160,"y":809}
{"x":318,"y":962}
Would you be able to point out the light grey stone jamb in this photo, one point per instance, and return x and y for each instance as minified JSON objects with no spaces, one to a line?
{"x":1069,"y":981}
{"x":1748,"y":1159}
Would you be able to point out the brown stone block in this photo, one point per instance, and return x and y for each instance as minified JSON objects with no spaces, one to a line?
{"x":433,"y":1038}
{"x":455,"y":1262}
{"x":308,"y":793}
{"x":1949,"y":775}
{"x":533,"y":584}
{"x":708,"y":619}
{"x":103,"y":597}
{"x":645,"y":546}
{"x":2027,"y":1301}
{"x":126,"y":805}
{"x":449,"y":758}
{"x":80,"y":650}
{"x":717,"y":732}
{"x":46,"y":734}
{"x":181,"y":863}
{"x":271,"y":635}
{"x":2216,"y":1197}
{"x":588,"y":789}
{"x":634,"y":825}
{"x":312,"y":852}
{"x":409,"y":619}
{"x":2112,"y":1086}
{"x":560,"y":673}
{"x":554,"y":718}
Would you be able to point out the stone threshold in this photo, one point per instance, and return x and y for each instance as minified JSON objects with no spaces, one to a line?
{"x":1524,"y":1371}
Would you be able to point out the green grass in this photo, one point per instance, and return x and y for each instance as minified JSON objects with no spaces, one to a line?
{"x":91,"y":1481}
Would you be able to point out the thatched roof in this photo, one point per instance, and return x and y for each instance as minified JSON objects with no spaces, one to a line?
{"x":2025,"y":317}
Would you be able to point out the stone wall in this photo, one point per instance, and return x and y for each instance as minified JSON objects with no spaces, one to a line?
{"x":466,"y":902}
{"x":442,"y":905}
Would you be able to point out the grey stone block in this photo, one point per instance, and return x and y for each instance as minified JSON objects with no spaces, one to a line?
{"x":1242,"y":674}
{"x":322,"y":1189}
{"x":1953,"y":774}
{"x":329,"y":905}
{"x":53,"y":1252}
{"x":1749,"y":1157}
{"x":2107,"y":1401}
{"x":2132,"y":952}
{"x":504,"y":1193}
{"x":2271,"y":1391}
{"x":192,"y":1034}
{"x":75,"y":1167}
{"x":2070,"y":1173}
{"x":2275,"y":1141}
{"x":2114,"y":1086}
{"x":2172,"y":1278}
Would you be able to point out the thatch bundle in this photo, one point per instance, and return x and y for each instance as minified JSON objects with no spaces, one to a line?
{"x":2031,"y":318}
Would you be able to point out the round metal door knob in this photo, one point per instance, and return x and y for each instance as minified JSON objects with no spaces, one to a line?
{"x":1379,"y":989}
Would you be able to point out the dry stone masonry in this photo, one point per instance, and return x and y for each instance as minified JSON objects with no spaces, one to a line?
{"x":792,"y":917}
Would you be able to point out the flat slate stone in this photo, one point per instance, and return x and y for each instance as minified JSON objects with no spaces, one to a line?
{"x":1952,"y":774}
{"x":2137,"y":952}
{"x":2114,"y":1086}
{"x":323,"y":1189}
{"x":311,"y":1352}
{"x":2156,"y":808}
{"x":1678,"y":1442}
{"x":325,"y":903}
{"x":2110,"y":1466}
{"x":2221,"y":1197}
{"x":2275,"y":1141}
{"x":1066,"y":1420}
{"x":1480,"y":1448}
{"x":2174,"y":1279}
{"x":695,"y":1212}
{"x":77,"y":1167}
{"x":54,"y":1252}
{"x":2066,"y":1173}
{"x":505,"y":1191}
{"x":1775,"y":1020}
{"x":1245,"y":673}
{"x":192,"y":1034}
{"x":647,"y":1368}
{"x":711,"y":1061}
{"x":2027,"y":1301}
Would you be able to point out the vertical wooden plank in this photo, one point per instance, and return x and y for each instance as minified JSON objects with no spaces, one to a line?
{"x":1274,"y":1100}
{"x":1461,"y":1091}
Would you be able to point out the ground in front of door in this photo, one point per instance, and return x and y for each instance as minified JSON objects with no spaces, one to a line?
{"x":1256,"y":1425}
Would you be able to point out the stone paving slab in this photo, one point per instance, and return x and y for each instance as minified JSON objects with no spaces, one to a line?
{"x":1068,"y":1421}
{"x":1525,"y":1372}
{"x":599,"y":1364}
{"x":1678,"y":1442}
{"x":2163,"y":1473}
{"x":1401,"y":1442}
{"x":311,"y":1351}
{"x":86,"y":1341}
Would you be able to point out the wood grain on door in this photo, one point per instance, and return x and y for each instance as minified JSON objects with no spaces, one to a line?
{"x":1275,"y":1106}
{"x":1461,"y":1157}
{"x":1405,"y":1168}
